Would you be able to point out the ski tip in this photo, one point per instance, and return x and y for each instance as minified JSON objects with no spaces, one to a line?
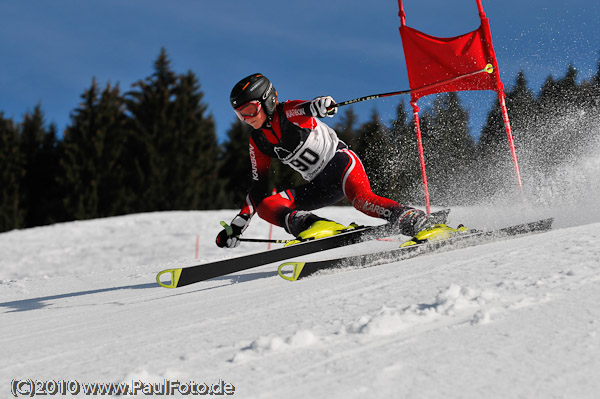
{"x":295,"y":272}
{"x":545,"y":224}
{"x":440,"y":213}
{"x":175,"y":274}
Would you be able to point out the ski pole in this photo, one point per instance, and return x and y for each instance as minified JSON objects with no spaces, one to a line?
{"x":264,"y":240}
{"x":488,"y":68}
{"x":229,"y":231}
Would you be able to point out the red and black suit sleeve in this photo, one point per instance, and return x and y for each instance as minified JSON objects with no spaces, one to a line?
{"x":260,"y":164}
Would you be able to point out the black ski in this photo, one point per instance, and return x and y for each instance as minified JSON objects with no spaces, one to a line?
{"x":473,"y":237}
{"x":194,"y":274}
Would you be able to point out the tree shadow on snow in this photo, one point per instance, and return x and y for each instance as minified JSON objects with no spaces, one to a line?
{"x":39,"y":303}
{"x":42,"y":302}
{"x":242,"y":278}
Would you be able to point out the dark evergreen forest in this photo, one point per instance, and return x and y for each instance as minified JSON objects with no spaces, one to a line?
{"x":155,"y":148}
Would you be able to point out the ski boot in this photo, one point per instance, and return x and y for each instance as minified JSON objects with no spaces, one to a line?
{"x":321,"y":229}
{"x":436,"y":233}
{"x":410,"y":221}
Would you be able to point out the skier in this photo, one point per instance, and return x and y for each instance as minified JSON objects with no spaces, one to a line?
{"x":291,"y":132}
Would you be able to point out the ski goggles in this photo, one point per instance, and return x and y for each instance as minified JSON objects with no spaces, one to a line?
{"x":248,"y":110}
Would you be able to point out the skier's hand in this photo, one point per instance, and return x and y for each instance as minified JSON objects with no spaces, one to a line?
{"x":323,"y":106}
{"x":229,"y":237}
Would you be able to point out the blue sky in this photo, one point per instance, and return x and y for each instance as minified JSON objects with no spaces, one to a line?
{"x":51,"y":50}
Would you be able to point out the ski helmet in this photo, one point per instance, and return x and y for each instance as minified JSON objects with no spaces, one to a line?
{"x":254,"y":87}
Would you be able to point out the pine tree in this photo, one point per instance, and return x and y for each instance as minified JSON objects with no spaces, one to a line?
{"x":372,"y":146}
{"x":522,"y":109}
{"x":234,"y":165}
{"x":94,"y":158}
{"x":493,"y":161}
{"x":11,"y":173}
{"x":426,"y":123}
{"x":568,"y":88}
{"x":51,"y":155}
{"x":150,"y":109}
{"x":557,"y":137}
{"x":558,"y":96}
{"x":193,"y":171}
{"x":346,"y":127}
{"x":590,"y":93}
{"x":346,"y":131}
{"x":39,"y":148}
{"x":405,"y":179}
{"x":174,"y":149}
{"x":453,"y":151}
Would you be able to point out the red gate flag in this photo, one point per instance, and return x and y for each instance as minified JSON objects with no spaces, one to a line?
{"x":439,"y":65}
{"x":431,"y":59}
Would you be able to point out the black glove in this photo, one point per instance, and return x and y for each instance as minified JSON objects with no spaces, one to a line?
{"x":229,"y":236}
{"x":323,"y":106}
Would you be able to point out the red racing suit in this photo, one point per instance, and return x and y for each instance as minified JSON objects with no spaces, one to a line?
{"x":313,"y":149}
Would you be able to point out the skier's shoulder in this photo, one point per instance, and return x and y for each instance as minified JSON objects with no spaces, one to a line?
{"x":296,"y":112}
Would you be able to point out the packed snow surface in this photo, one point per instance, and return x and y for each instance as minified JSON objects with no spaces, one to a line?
{"x":517,"y":318}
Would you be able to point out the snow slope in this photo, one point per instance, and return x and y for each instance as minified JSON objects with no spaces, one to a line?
{"x":510,"y":319}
